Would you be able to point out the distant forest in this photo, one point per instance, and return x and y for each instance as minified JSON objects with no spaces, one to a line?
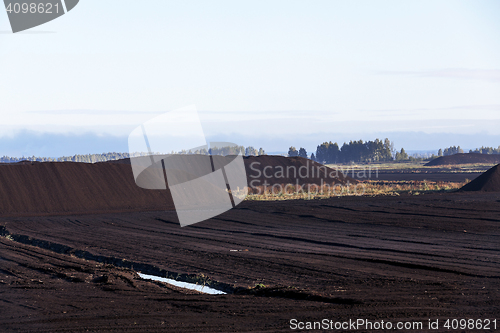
{"x":327,"y":152}
{"x":88,"y":158}
{"x":486,"y":150}
{"x":374,"y":151}
{"x":457,"y":150}
{"x":93,"y":158}
{"x":355,"y":151}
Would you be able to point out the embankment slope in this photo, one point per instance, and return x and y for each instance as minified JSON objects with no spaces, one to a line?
{"x":55,"y":188}
{"x":487,"y":182}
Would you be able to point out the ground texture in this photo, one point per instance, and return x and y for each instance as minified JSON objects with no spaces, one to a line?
{"x":407,"y":258}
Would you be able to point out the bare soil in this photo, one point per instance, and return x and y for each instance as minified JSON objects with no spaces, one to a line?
{"x":59,"y":188}
{"x":407,"y":258}
{"x":487,"y":182}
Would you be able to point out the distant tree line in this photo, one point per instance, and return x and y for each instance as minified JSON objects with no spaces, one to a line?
{"x":450,"y":151}
{"x":457,"y":150}
{"x":93,"y":158}
{"x":375,"y":151}
{"x":485,"y":150}
{"x":327,"y":152}
{"x":292,"y":152}
{"x":87,"y":158}
{"x":235,"y":150}
{"x":228,"y":150}
{"x":402,"y":155}
{"x":354,"y":151}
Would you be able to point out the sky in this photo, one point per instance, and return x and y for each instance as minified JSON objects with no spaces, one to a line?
{"x":269,"y":74}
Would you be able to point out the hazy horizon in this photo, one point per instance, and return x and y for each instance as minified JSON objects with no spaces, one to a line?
{"x":52,"y":145}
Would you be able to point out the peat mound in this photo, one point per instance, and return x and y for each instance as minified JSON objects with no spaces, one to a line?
{"x":487,"y":182}
{"x":470,"y":158}
{"x":276,"y":170}
{"x":58,"y":188}
{"x":291,"y":170}
{"x":70,"y":187}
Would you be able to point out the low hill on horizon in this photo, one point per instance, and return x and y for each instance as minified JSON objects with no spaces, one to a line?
{"x":469,"y":158}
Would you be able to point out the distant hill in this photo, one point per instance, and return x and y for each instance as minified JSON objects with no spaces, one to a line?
{"x":470,"y":158}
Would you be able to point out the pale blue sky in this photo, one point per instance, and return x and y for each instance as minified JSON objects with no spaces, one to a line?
{"x":264,"y":68}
